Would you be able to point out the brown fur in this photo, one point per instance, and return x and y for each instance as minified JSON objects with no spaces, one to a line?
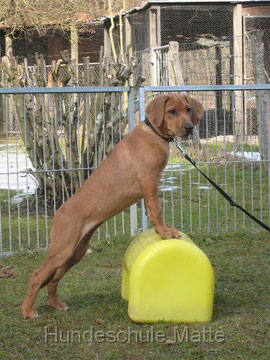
{"x":129,"y":173}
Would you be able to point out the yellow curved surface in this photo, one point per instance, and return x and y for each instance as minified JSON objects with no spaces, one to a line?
{"x":167,"y":280}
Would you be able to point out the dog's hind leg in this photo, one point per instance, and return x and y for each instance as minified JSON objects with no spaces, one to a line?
{"x":63,"y":245}
{"x":75,"y":258}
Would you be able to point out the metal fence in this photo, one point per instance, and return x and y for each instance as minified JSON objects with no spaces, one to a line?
{"x":62,"y":73}
{"x":66,"y":132}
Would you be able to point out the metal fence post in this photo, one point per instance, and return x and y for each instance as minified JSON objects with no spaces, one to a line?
{"x":131,"y":125}
{"x":142,"y":117}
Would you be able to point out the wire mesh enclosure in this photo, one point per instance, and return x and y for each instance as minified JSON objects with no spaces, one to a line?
{"x":208,"y":44}
{"x":184,"y":23}
{"x":204,"y":34}
{"x":65,"y":133}
{"x":140,"y":30}
{"x":257,"y":61}
{"x":257,"y":43}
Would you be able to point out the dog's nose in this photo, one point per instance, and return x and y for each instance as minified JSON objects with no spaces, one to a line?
{"x":188,"y":129}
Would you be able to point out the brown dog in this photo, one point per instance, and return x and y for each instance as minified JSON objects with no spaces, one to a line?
{"x":129,"y":173}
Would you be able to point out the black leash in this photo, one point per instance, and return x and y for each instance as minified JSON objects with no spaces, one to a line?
{"x":219,"y":189}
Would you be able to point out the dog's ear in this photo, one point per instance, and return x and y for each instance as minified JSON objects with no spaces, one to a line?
{"x":155,"y":111}
{"x":196,"y":109}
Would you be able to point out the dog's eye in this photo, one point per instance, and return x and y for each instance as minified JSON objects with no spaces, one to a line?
{"x":188,"y":110}
{"x":172,"y":111}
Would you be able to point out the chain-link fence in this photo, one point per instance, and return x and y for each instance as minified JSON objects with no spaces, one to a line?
{"x":81,"y":74}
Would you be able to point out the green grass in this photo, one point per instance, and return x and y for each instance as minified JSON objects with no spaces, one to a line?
{"x":92,"y":290}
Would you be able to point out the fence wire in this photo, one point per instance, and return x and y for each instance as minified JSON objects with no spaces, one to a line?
{"x":65,"y":133}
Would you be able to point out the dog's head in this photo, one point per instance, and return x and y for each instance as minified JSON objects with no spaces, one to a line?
{"x":174,"y":115}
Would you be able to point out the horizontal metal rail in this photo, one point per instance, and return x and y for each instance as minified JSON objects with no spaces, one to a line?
{"x":65,"y":90}
{"x":208,"y":88}
{"x":118,"y":89}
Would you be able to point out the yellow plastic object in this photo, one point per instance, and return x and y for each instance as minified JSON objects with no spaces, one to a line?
{"x":167,"y":280}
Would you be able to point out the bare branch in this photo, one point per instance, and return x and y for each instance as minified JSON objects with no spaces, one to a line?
{"x":28,"y":16}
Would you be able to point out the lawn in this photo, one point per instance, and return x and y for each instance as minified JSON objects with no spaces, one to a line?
{"x":92,"y":290}
{"x":238,"y":251}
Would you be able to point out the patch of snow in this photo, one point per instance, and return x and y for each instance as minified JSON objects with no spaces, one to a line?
{"x":169,"y":188}
{"x":178,"y":167}
{"x":247,"y":155}
{"x":17,"y":199}
{"x":11,"y":172}
{"x":170,"y":180}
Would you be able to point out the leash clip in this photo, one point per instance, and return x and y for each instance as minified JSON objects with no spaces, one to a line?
{"x":187,"y":157}
{"x":176,"y":143}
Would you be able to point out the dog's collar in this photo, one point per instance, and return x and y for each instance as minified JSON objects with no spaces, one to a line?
{"x":148,"y":123}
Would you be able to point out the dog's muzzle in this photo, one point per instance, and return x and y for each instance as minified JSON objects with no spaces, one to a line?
{"x":188,"y":129}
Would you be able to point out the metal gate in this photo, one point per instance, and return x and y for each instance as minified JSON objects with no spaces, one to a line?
{"x":38,"y":170}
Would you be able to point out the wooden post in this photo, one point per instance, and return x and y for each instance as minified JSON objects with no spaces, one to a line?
{"x":128,"y":37}
{"x":10,"y":115}
{"x":107,"y":44}
{"x":2,"y":128}
{"x":175,"y":72}
{"x":238,"y":70}
{"x":154,"y":40}
{"x":74,"y":43}
{"x":8,"y":45}
{"x":129,"y":53}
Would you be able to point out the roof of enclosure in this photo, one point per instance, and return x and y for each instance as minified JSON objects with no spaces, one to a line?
{"x":149,"y":3}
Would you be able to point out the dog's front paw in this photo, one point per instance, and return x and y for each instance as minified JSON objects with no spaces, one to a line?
{"x":167,"y":232}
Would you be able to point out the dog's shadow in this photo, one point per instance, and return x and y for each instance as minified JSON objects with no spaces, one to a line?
{"x":227,"y":305}
{"x":109,"y":301}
